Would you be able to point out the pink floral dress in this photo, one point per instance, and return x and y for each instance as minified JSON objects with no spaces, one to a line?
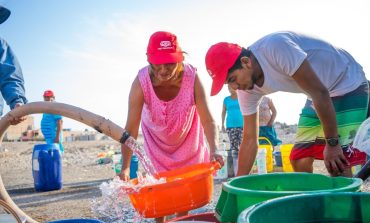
{"x":173,"y":134}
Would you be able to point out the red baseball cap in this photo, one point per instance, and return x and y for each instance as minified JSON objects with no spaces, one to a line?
{"x":163,"y":48}
{"x":48,"y":93}
{"x":219,"y":59}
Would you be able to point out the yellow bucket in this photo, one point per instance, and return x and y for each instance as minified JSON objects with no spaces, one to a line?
{"x":285,"y":150}
{"x":269,"y":148}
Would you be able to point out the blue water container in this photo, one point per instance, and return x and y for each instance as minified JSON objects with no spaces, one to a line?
{"x":134,"y":165}
{"x":278,"y":159}
{"x":46,"y":167}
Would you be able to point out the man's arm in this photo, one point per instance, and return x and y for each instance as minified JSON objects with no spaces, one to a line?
{"x":11,"y":77}
{"x":248,"y":147}
{"x":306,"y":78}
{"x":59,"y":130}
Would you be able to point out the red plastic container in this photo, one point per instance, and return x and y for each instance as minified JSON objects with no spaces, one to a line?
{"x":203,"y":217}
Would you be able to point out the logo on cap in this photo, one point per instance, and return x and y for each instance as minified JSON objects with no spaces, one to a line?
{"x":165,"y":44}
{"x":211,"y":74}
{"x":164,"y":48}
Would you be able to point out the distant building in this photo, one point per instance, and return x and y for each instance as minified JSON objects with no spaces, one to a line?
{"x":25,"y":128}
{"x":70,"y":136}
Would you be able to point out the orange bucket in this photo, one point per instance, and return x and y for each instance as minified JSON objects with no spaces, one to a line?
{"x":185,"y":189}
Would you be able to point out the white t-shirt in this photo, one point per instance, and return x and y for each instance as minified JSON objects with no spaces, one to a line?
{"x":281,"y":54}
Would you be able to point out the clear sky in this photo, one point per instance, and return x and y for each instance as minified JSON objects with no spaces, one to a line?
{"x":89,"y":51}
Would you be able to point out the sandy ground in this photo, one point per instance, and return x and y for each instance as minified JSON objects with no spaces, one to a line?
{"x":81,"y":179}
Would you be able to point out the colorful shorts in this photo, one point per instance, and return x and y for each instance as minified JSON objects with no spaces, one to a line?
{"x":235,"y":137}
{"x":351,"y":111}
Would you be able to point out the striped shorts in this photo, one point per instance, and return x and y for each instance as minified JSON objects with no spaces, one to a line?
{"x":351,"y":110}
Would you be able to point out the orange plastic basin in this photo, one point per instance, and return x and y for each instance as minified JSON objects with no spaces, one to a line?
{"x":185,"y":189}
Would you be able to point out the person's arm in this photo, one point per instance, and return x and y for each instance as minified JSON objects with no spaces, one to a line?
{"x":273,"y":113}
{"x":135,"y":106}
{"x":208,"y":123}
{"x":11,"y":78}
{"x":249,"y":145}
{"x":59,"y":129}
{"x":223,"y":114}
{"x":309,"y":82}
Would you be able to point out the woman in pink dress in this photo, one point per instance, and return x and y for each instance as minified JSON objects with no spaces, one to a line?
{"x":168,"y":99}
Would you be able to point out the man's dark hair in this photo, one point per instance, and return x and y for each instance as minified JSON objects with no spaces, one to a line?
{"x":238,"y":63}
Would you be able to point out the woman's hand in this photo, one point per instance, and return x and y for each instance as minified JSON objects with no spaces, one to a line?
{"x":218,"y":158}
{"x":125,"y":174}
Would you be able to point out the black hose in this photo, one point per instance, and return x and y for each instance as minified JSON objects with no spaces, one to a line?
{"x":364,"y":173}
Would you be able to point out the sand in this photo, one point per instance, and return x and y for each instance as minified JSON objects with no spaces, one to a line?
{"x":81,"y":179}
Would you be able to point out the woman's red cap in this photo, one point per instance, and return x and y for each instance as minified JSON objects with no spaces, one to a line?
{"x":163,"y":48}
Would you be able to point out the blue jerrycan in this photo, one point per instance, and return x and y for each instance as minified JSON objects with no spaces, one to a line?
{"x":46,"y":167}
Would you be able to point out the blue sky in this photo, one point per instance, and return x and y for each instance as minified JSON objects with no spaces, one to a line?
{"x":89,"y":51}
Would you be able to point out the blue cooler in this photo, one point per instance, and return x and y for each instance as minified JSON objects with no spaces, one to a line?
{"x":46,"y":167}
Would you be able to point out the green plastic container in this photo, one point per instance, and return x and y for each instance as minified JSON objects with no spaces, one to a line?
{"x":312,"y":208}
{"x":243,"y":192}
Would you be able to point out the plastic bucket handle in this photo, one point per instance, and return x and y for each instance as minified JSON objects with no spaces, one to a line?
{"x":267,"y":140}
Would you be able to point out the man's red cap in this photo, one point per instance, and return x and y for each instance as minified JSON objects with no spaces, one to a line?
{"x":48,"y":93}
{"x":163,"y":48}
{"x":219,"y":59}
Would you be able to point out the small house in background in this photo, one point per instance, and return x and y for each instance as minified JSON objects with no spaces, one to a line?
{"x":23,"y":131}
{"x":70,"y":136}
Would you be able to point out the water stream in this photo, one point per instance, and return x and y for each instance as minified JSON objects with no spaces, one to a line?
{"x":114,"y":204}
{"x":140,"y":153}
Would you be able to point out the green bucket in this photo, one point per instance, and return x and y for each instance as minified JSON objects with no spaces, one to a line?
{"x":311,"y":208}
{"x":243,"y":192}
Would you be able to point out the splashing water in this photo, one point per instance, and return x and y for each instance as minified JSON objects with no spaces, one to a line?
{"x":140,"y":153}
{"x":114,"y":204}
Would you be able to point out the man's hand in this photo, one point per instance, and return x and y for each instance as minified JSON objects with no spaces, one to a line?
{"x":17,"y":120}
{"x":334,"y":160}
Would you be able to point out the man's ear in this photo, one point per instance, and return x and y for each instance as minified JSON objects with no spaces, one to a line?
{"x":246,"y":62}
